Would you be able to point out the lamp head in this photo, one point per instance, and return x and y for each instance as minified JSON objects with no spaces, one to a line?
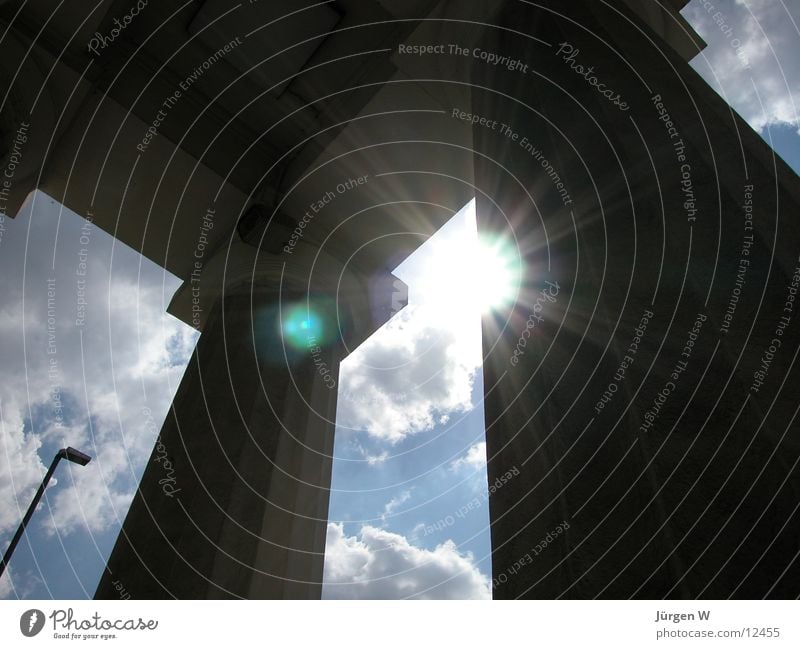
{"x":73,"y":455}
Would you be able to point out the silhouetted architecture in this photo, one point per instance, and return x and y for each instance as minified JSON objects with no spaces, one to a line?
{"x":282,"y":157}
{"x":650,"y":404}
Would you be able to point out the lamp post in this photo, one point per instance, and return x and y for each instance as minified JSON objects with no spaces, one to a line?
{"x":68,"y":453}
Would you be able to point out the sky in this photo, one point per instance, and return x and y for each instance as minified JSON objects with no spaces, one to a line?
{"x":753,"y":61}
{"x":404,"y":522}
{"x":97,"y":376}
{"x":409,"y":509}
{"x":409,"y":512}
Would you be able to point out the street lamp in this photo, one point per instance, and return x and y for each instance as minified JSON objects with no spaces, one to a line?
{"x":68,"y":453}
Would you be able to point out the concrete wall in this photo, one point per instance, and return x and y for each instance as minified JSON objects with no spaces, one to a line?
{"x":682,"y":506}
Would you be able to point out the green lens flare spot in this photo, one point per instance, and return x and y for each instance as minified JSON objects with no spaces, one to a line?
{"x":307,"y":325}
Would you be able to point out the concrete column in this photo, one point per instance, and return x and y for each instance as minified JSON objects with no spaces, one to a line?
{"x":234,"y":500}
{"x":663,"y":497}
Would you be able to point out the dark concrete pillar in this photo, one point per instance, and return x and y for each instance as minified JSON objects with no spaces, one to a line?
{"x":679,"y":498}
{"x":234,"y":499}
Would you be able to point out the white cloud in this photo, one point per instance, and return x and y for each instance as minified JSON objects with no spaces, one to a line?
{"x":371,"y":458}
{"x":6,"y":583}
{"x":756,"y":44}
{"x":22,"y":468}
{"x":391,"y":507}
{"x":419,"y":368}
{"x":129,"y":357}
{"x":411,"y":373}
{"x":377,"y":564}
{"x":380,"y":458}
{"x":474,"y":458}
{"x":12,"y":584}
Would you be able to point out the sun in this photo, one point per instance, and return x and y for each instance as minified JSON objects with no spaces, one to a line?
{"x":472,"y":273}
{"x":460,"y":271}
{"x":493,"y":273}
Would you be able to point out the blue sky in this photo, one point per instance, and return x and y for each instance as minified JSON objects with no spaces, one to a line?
{"x":409,"y":515}
{"x":408,"y":512}
{"x":113,"y":379}
{"x":753,"y":61}
{"x":396,"y":496}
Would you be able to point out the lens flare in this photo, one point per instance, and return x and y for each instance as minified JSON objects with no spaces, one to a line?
{"x":306,"y":325}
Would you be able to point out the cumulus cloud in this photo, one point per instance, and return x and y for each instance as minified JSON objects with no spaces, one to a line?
{"x":408,"y":376}
{"x":474,"y":458}
{"x":85,"y":386}
{"x":22,"y":467}
{"x":14,"y":585}
{"x":751,"y":58}
{"x":377,"y":564}
{"x":119,"y":423}
{"x":419,"y":368}
{"x":6,"y":585}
